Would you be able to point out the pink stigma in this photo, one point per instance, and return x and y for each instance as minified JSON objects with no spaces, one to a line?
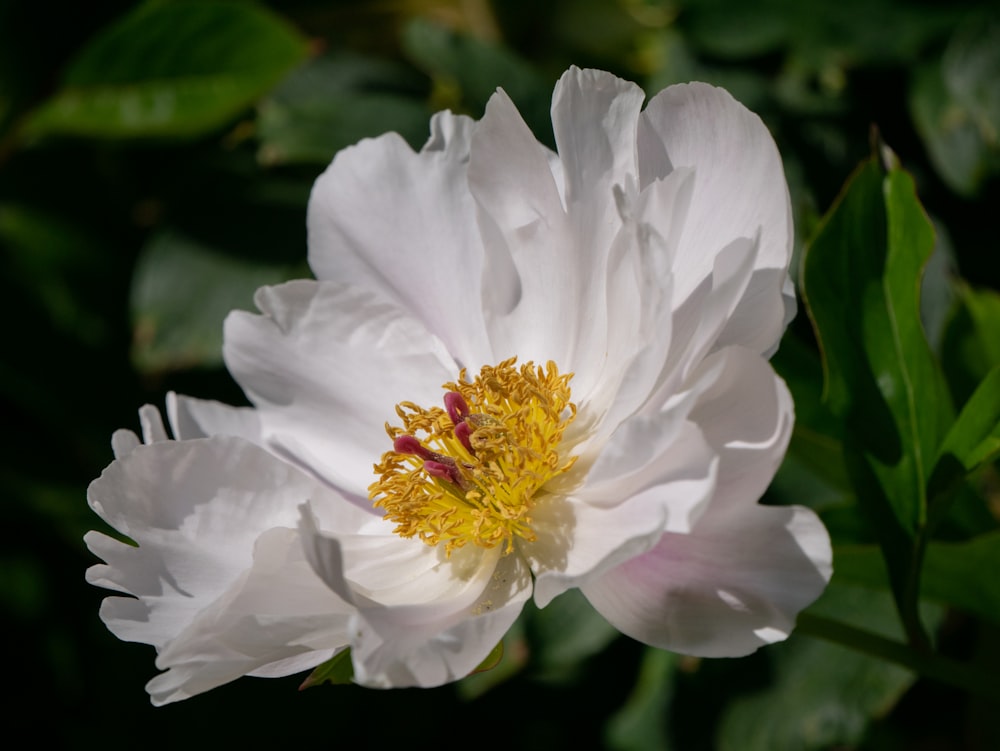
{"x":407,"y":444}
{"x":463,"y":433}
{"x":457,"y":407}
{"x":443,"y":471}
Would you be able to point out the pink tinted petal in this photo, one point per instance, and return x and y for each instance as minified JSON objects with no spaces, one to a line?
{"x":576,"y":541}
{"x":622,"y":512}
{"x":731,"y":585}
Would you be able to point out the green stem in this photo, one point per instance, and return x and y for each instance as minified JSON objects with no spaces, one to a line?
{"x":927,"y":664}
{"x":909,"y":604}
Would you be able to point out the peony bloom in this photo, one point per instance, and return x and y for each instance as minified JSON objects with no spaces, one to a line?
{"x":556,"y":363}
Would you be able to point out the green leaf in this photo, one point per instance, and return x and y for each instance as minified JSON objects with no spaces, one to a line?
{"x":861,"y":278}
{"x":563,"y":634}
{"x":63,"y":261}
{"x":956,"y":107}
{"x":171,"y":69}
{"x":971,"y":348}
{"x":476,"y":69}
{"x":641,"y":725}
{"x":492,"y":659}
{"x":821,"y":695}
{"x":861,"y":282}
{"x":506,"y":660}
{"x":974,"y":437}
{"x":959,"y":574}
{"x":181,"y":294}
{"x":964,"y":575}
{"x":335,"y":102}
{"x":338,"y":670}
{"x":818,"y":34}
{"x":816,"y":446}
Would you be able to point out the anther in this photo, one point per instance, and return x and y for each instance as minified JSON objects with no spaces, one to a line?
{"x":458,"y":476}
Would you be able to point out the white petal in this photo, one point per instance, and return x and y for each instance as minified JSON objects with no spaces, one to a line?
{"x":731,"y":585}
{"x":277,"y":617}
{"x":577,"y":541}
{"x":759,"y":320}
{"x":423,"y":619}
{"x":325,"y":366}
{"x":739,"y":191}
{"x":427,"y":646}
{"x":662,"y":480}
{"x":403,"y":224}
{"x":195,"y":510}
{"x":152,"y":424}
{"x":200,"y":418}
{"x":639,"y":297}
{"x":123,"y":442}
{"x":522,"y":223}
{"x":746,"y":414}
{"x":649,"y":450}
{"x":561,"y":251}
{"x":698,"y":321}
{"x":594,"y":119}
{"x":293,"y":665}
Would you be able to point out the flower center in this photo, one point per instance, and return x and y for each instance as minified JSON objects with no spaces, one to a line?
{"x":472,"y":472}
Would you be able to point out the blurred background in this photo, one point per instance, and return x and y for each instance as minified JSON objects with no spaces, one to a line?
{"x":155,"y":163}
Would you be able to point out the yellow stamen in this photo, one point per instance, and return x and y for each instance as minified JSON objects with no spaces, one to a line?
{"x":475,"y":474}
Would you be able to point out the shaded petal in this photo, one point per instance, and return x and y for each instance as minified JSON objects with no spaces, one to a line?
{"x":195,"y":510}
{"x":740,"y":191}
{"x":647,"y":451}
{"x":123,"y":442}
{"x":430,"y":645}
{"x":577,"y":541}
{"x":277,"y":618}
{"x":151,"y":423}
{"x":731,"y":585}
{"x":746,"y":413}
{"x":594,"y":119}
{"x":423,"y":619}
{"x":521,"y":215}
{"x":325,"y":366}
{"x":666,"y":477}
{"x":200,"y":418}
{"x":698,"y":321}
{"x":559,"y":242}
{"x":403,"y":224}
{"x":639,"y":297}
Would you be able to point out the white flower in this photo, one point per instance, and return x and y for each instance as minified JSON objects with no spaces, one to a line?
{"x":639,"y":278}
